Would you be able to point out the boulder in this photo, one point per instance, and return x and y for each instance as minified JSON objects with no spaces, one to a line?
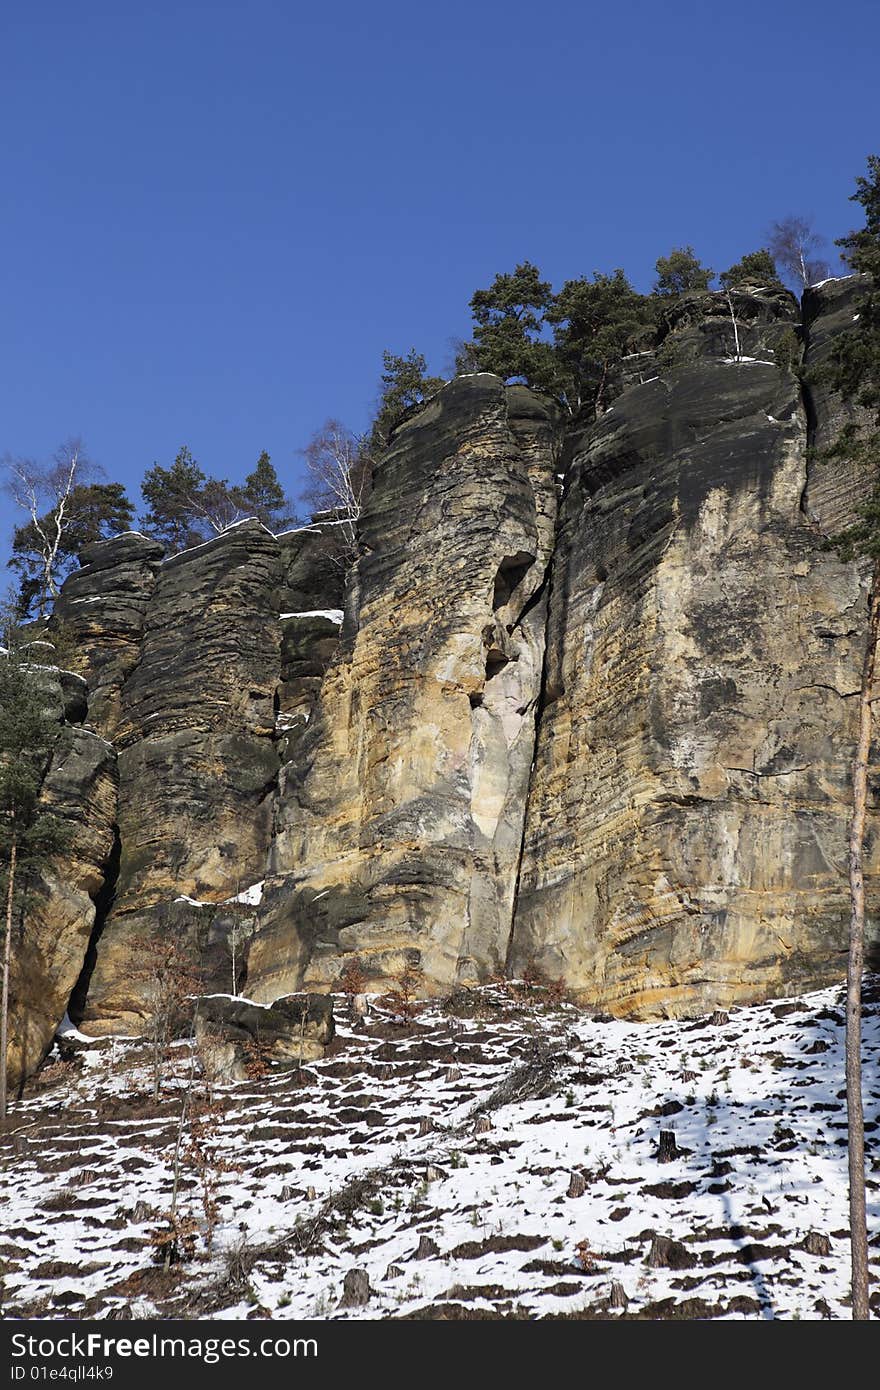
{"x":235,"y":1035}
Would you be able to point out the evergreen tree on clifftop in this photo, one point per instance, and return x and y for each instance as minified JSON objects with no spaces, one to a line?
{"x":680,"y":273}
{"x":595,"y":324}
{"x":508,"y":319}
{"x":756,"y":268}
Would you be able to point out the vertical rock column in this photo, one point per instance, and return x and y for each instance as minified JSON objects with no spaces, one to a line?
{"x":100,"y":615}
{"x":687,"y":828}
{"x":197,"y":762}
{"x":399,"y":822}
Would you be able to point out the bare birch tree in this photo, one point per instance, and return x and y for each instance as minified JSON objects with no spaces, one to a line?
{"x":44,"y":492}
{"x":793,"y":244}
{"x":339,"y":466}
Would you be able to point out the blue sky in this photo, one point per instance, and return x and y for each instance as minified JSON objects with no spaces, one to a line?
{"x":217,"y":215}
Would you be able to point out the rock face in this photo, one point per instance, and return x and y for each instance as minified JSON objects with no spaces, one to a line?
{"x":686,"y":833}
{"x":399,"y":822}
{"x":197,"y":763}
{"x":313,"y":582}
{"x":612,"y":744}
{"x":101,"y":614}
{"x":833,"y":488}
{"x":49,"y":945}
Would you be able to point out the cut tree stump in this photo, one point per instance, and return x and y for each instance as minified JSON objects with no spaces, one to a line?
{"x":618,"y":1298}
{"x":815,"y":1243}
{"x":577,"y":1185}
{"x":667,"y":1149}
{"x":355,"y":1289}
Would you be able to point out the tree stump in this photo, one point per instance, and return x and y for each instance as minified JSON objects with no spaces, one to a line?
{"x":815,"y":1243}
{"x":426,"y":1249}
{"x":666,"y":1253}
{"x":617,"y":1297}
{"x":667,"y":1149}
{"x":355,"y":1289}
{"x":577,"y":1185}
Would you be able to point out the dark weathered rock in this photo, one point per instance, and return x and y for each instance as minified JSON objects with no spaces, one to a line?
{"x":52,"y":935}
{"x":834,"y":487}
{"x":699,"y":327}
{"x":235,"y":1034}
{"x":398,"y":825}
{"x":197,"y":759}
{"x":308,"y":645}
{"x":686,"y":830}
{"x":99,"y":618}
{"x":313,"y":566}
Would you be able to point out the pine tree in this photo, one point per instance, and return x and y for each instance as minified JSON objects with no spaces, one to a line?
{"x":29,"y":834}
{"x":595,"y":323}
{"x":173,"y":497}
{"x":855,"y":370}
{"x":262,"y":496}
{"x":404,"y":383}
{"x":757,"y":268}
{"x":680,"y":273}
{"x":508,"y":319}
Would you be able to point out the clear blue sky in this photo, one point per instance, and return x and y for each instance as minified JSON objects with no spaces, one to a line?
{"x":216,"y":215}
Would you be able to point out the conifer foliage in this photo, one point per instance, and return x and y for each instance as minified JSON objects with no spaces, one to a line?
{"x":185,"y":506}
{"x":681,"y":273}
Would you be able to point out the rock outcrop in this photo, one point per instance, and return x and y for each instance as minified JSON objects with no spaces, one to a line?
{"x":237,"y":1037}
{"x":612,"y":744}
{"x":197,"y":761}
{"x":50,"y":940}
{"x":399,"y":822}
{"x":100,"y":619}
{"x":686,"y":836}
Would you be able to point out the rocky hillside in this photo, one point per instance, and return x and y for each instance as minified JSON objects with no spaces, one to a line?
{"x":498,"y":1155}
{"x":585,"y":705}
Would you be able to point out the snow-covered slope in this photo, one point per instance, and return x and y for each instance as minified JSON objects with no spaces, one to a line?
{"x":497,"y":1157}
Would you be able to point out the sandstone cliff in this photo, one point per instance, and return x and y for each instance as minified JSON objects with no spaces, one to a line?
{"x":612,"y":744}
{"x":686,"y":837}
{"x":399,"y":821}
{"x":52,"y":934}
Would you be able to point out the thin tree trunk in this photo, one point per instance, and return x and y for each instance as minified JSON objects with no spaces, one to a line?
{"x":855,"y":965}
{"x":7,"y":959}
{"x":735,"y":328}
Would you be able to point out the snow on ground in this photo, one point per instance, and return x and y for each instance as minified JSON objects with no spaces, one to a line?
{"x":496,"y":1157}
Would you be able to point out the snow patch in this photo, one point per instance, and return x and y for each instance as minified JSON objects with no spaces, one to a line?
{"x":334,"y":615}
